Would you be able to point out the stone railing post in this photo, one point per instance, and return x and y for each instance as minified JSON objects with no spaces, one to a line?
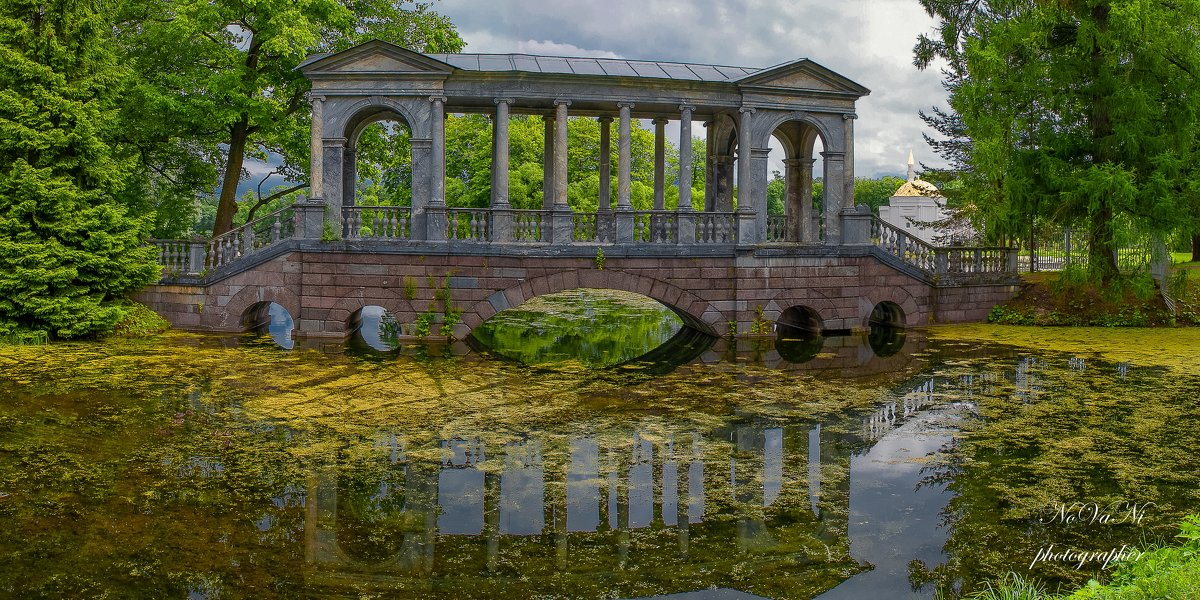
{"x":310,"y":219}
{"x":623,"y":223}
{"x":435,"y":223}
{"x":941,"y":263}
{"x":686,"y":221}
{"x":856,"y":225}
{"x":1011,"y":256}
{"x":560,"y":225}
{"x":196,"y":252}
{"x":502,"y":224}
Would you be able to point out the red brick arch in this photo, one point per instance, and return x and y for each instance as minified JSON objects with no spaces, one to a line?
{"x":694,"y":310}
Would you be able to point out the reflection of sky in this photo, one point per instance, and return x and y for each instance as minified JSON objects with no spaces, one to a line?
{"x":280,"y":327}
{"x":372,"y":318}
{"x":892,"y":521}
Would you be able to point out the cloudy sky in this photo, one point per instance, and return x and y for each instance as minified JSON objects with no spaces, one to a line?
{"x":869,"y":41}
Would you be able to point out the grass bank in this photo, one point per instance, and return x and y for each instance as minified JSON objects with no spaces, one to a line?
{"x":1067,"y":298}
{"x":1159,"y":572}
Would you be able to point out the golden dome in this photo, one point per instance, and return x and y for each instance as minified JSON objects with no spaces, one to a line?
{"x":917,"y":187}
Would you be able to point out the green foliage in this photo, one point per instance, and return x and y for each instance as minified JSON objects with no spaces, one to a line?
{"x":599,"y":260}
{"x":760,"y":325}
{"x":1078,"y":113}
{"x":329,"y":232}
{"x":70,"y":251}
{"x":140,"y":321}
{"x":1004,"y":315}
{"x":410,"y":288}
{"x":423,"y":325}
{"x":222,"y":75}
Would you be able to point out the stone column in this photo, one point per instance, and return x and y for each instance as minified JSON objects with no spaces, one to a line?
{"x":660,"y":163}
{"x":349,"y":175}
{"x":808,"y":233}
{"x":791,"y":199}
{"x":435,"y":212}
{"x":722,"y":180}
{"x":685,"y":216}
{"x":500,"y":155}
{"x":710,"y":153}
{"x":605,"y":201}
{"x":624,"y":218}
{"x":548,"y":164}
{"x":332,"y":152}
{"x":748,"y":229}
{"x":316,"y":188}
{"x":848,"y":194}
{"x":560,"y":226}
{"x":832,"y":203}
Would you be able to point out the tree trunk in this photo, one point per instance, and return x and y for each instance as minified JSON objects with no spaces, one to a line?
{"x":1196,"y":247}
{"x":227,"y":206}
{"x":1102,"y":258}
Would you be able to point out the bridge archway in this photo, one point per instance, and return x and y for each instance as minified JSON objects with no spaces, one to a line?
{"x":374,"y":133}
{"x":693,"y":310}
{"x":244,"y":304}
{"x":801,"y":138}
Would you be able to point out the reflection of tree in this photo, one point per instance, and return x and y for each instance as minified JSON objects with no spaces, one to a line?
{"x":1088,"y":437}
{"x":599,"y":328}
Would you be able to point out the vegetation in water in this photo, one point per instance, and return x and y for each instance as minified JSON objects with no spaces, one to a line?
{"x":596,"y":328}
{"x":139,"y":321}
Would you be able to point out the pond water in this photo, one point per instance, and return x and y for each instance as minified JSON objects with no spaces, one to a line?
{"x":833,"y":467}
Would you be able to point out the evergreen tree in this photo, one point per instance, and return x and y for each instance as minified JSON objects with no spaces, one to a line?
{"x":69,"y":251}
{"x":1084,"y":112}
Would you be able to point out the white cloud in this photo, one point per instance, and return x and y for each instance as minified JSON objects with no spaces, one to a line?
{"x":869,"y":41}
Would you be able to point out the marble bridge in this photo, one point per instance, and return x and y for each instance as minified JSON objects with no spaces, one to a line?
{"x":723,"y":264}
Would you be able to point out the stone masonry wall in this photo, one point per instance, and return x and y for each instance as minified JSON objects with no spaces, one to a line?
{"x":324,"y":290}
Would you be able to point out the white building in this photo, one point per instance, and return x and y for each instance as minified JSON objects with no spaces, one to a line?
{"x":915,"y":206}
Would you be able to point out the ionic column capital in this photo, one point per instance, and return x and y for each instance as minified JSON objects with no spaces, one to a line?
{"x":849,"y":116}
{"x":685,"y":107}
{"x":437,"y":99}
{"x":746,"y":110}
{"x":660,"y":120}
{"x":311,"y":97}
{"x":604,"y":120}
{"x":625,"y":105}
{"x":499,"y":101}
{"x":562,"y":102}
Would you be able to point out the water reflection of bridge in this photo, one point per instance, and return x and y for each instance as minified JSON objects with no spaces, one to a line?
{"x":630,"y":513}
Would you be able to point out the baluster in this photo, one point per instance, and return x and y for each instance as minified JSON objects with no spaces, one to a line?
{"x":276,"y":228}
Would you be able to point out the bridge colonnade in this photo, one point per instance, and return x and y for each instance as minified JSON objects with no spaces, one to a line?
{"x":797,"y":102}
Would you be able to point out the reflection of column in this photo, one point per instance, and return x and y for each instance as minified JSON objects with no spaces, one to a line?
{"x":772,"y":464}
{"x":670,"y":486}
{"x":583,"y":485}
{"x":605,"y":163}
{"x":500,"y":155}
{"x":560,"y":153}
{"x":491,"y":517}
{"x":522,"y":490}
{"x":460,"y":488}
{"x":660,"y":163}
{"x":641,"y":484}
{"x":696,"y":482}
{"x":623,"y":157}
{"x":548,"y":164}
{"x":814,"y":469}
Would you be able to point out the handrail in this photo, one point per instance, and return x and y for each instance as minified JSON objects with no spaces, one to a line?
{"x":378,"y":222}
{"x":252,"y":237}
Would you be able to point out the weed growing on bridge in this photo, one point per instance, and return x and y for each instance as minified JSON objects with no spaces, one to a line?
{"x":599,"y":259}
{"x":410,"y":288}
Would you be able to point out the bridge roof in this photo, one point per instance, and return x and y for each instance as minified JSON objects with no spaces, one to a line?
{"x":616,"y":67}
{"x":379,"y":57}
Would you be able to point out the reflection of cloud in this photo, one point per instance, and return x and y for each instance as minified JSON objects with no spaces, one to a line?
{"x":868,"y":41}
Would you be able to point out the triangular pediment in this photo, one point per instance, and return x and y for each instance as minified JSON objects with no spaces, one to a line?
{"x":803,"y":74}
{"x":376,"y":56}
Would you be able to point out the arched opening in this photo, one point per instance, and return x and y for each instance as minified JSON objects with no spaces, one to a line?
{"x":886,"y":321}
{"x":598,"y":328}
{"x":377,"y":172}
{"x":375,"y":327}
{"x":271,"y":319}
{"x":794,"y":197}
{"x":721,"y":170}
{"x":799,"y":334}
